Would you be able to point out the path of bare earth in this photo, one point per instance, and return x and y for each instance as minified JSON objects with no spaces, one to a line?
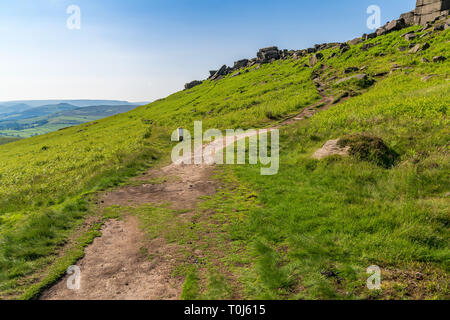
{"x":113,"y":267}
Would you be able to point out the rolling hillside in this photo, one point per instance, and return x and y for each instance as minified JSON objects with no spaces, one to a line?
{"x":310,"y":231}
{"x":49,"y":118}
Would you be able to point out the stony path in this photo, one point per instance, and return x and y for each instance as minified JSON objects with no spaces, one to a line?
{"x":113,"y":266}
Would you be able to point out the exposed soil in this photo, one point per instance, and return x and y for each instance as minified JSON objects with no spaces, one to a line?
{"x":114,"y":268}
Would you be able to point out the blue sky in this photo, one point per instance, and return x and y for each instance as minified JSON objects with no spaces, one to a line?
{"x":141,"y":50}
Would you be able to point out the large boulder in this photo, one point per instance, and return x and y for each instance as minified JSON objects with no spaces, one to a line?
{"x":395,"y":25}
{"x":192,"y":84}
{"x":266,"y":55}
{"x":315,"y":58}
{"x":220,"y":73}
{"x":240,"y":64}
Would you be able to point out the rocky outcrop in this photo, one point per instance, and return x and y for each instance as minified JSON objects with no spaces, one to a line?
{"x":431,"y":13}
{"x":429,"y":10}
{"x":408,"y":17}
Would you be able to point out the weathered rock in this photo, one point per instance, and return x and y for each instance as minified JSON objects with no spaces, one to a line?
{"x":428,"y":77}
{"x":240,"y":64}
{"x":350,"y":70}
{"x":361,"y":76}
{"x":355,"y":41}
{"x":402,"y":48}
{"x":426,"y":34}
{"x":266,"y":55}
{"x":438,"y":27}
{"x":381,"y":31}
{"x":396,"y":25}
{"x":315,"y":58}
{"x":439,"y":59}
{"x":408,"y":17}
{"x":212,"y":72}
{"x":344,"y":47}
{"x":371,"y":36}
{"x":331,"y":148}
{"x":220,"y":73}
{"x":192,"y":84}
{"x":410,"y":36}
{"x":367,"y":46}
{"x":425,"y":60}
{"x":430,"y":10}
{"x":418,"y":47}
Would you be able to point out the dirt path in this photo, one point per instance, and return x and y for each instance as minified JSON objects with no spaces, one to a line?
{"x":113,"y":266}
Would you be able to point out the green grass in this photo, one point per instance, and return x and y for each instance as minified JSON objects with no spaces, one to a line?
{"x":5,"y":140}
{"x":276,"y":237}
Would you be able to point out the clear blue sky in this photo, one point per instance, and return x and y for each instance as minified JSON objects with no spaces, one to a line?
{"x":140,"y":50}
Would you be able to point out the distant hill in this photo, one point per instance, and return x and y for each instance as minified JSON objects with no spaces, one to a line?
{"x":51,"y":118}
{"x":19,"y":107}
{"x":77,"y":103}
{"x":5,"y":140}
{"x":37,"y":112}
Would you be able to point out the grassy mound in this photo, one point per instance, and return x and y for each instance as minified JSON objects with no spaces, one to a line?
{"x":369,"y":148}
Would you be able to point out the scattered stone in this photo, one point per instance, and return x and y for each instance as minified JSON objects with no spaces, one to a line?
{"x":367,"y":46}
{"x":425,"y":34}
{"x":192,"y":84}
{"x":314,"y":59}
{"x":236,"y":74}
{"x":402,"y":48}
{"x":350,"y":70}
{"x":439,"y":59}
{"x":344,"y":47}
{"x":370,"y":36}
{"x":425,"y":60}
{"x":362,"y":76}
{"x":426,"y":78}
{"x":410,"y":36}
{"x":380,"y":74}
{"x":438,"y":27}
{"x":418,"y":47}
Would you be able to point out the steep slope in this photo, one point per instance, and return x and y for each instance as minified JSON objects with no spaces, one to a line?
{"x":311,"y":230}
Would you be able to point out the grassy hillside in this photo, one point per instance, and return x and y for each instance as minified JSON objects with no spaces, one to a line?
{"x":309,"y":231}
{"x":4,"y":140}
